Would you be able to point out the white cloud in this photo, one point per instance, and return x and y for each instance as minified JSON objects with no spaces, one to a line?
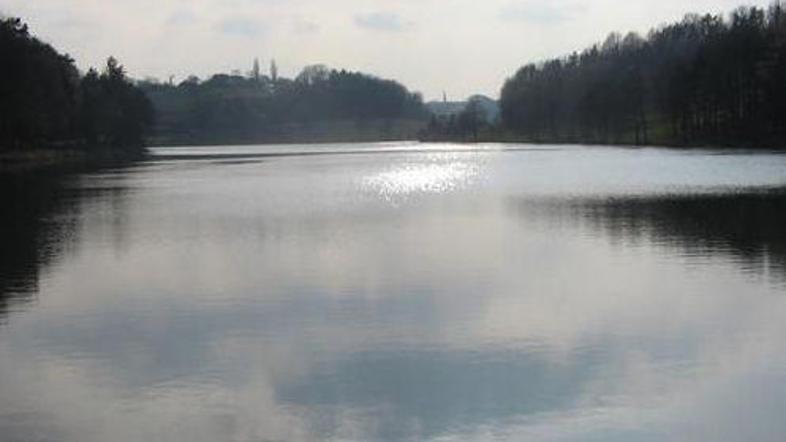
{"x":240,"y":27}
{"x":381,"y":21}
{"x":543,"y":13}
{"x":181,"y":17}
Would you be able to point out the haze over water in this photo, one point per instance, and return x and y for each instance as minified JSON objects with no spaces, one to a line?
{"x":397,"y":292}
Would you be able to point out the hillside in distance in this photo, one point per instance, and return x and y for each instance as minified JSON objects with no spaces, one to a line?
{"x":319,"y":105}
{"x":446,"y":109}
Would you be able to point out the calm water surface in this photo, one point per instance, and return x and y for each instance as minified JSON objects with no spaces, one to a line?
{"x":397,"y":292}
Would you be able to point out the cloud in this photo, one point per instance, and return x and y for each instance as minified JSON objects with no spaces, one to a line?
{"x":381,"y":21}
{"x":538,"y":12}
{"x":73,"y":23}
{"x":181,"y":18}
{"x":240,"y":27}
{"x":304,"y":26}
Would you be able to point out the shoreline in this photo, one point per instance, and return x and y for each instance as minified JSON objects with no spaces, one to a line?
{"x":485,"y":140}
{"x":513,"y":139}
{"x":15,"y":161}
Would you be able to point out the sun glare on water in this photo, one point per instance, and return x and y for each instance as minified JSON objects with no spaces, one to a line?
{"x":415,"y":178}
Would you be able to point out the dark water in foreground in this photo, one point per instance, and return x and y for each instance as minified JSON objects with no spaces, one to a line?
{"x":397,"y":292}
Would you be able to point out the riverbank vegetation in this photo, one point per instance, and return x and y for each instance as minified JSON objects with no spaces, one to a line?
{"x":50,"y":110}
{"x":320,"y":104}
{"x":707,"y":80}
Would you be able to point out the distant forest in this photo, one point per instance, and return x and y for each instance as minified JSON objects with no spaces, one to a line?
{"x":320,"y":104}
{"x":707,"y":80}
{"x":46,"y":103}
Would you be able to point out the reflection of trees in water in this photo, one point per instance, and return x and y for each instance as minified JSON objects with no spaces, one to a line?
{"x":37,"y":224}
{"x":40,"y":222}
{"x":747,"y":227}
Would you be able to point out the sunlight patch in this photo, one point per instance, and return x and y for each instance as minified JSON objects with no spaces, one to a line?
{"x":415,"y":178}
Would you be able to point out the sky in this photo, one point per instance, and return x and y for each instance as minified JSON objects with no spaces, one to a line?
{"x":461,"y":47}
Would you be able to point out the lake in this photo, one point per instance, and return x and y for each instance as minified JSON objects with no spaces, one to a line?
{"x":397,"y":291}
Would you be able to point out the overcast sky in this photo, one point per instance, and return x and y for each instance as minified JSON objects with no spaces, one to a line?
{"x":459,"y":46}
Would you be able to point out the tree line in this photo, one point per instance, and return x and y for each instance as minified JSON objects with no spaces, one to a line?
{"x":466,"y":125}
{"x":260,"y":108}
{"x":705,"y":80}
{"x":47,"y":103}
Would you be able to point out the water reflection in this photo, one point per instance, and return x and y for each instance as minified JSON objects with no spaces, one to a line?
{"x":36,"y":227}
{"x":744,"y":225}
{"x":405,"y":295}
{"x":436,"y":175}
{"x":42,"y":222}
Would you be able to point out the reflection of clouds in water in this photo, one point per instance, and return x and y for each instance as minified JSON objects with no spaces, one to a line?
{"x":562,"y":307}
{"x":735,"y":396}
{"x":739,"y":394}
{"x":296,"y":303}
{"x":81,"y":403}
